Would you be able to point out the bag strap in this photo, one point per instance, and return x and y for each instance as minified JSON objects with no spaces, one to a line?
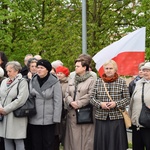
{"x":18,"y":87}
{"x":6,"y":96}
{"x":143,"y":93}
{"x":75,"y":91}
{"x":109,"y":95}
{"x":107,"y":91}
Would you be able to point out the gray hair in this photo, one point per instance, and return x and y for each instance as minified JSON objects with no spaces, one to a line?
{"x":141,"y":65}
{"x":27,"y":57}
{"x":15,"y":65}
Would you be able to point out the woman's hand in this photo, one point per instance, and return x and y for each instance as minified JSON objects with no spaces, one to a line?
{"x":29,"y":75}
{"x":111,"y":105}
{"x":2,"y":111}
{"x":108,"y":105}
{"x":74,"y":104}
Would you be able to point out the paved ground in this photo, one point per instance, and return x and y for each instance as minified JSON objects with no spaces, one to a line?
{"x":129,"y":134}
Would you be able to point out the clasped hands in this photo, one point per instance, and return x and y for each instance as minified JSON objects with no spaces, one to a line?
{"x":108,"y":105}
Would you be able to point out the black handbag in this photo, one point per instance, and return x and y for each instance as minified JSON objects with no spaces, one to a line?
{"x":144,"y":118}
{"x":1,"y":117}
{"x":84,"y":115}
{"x":28,"y":109}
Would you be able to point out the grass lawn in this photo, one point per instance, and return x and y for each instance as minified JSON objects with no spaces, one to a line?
{"x":130,"y":145}
{"x":61,"y":148}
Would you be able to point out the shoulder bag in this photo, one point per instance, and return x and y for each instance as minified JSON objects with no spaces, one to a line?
{"x":144,"y":118}
{"x":28,"y":109}
{"x":125,"y":114}
{"x":84,"y":115}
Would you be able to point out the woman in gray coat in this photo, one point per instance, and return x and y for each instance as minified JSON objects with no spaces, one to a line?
{"x":13,"y":129}
{"x":48,"y":98}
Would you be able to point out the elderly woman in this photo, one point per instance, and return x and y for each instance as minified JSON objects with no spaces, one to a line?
{"x":62,"y":73}
{"x":140,"y":134}
{"x":48,"y":97}
{"x":79,"y":136}
{"x":110,"y":130}
{"x":32,"y":68}
{"x":13,"y":129}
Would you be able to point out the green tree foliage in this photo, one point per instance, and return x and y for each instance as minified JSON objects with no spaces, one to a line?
{"x":53,"y":28}
{"x":109,"y":21}
{"x":143,"y":19}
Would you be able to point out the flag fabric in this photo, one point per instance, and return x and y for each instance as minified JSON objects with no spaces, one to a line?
{"x":128,"y":53}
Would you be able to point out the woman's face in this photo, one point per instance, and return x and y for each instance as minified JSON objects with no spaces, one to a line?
{"x":109,"y":70}
{"x":146,"y":74}
{"x":41,"y":71}
{"x":11,"y":72}
{"x":141,"y":73}
{"x":53,"y":71}
{"x":33,"y":68}
{"x":60,"y":75}
{"x":79,"y":69}
{"x":1,"y":61}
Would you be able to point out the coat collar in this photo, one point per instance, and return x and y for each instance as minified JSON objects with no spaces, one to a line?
{"x":19,"y":77}
{"x":49,"y":83}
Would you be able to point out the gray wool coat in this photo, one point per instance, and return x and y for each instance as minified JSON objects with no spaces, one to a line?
{"x":12,"y":127}
{"x":48,"y":99}
{"x":78,"y":137}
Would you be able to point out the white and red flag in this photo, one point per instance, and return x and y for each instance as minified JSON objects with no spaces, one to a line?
{"x":128,"y":53}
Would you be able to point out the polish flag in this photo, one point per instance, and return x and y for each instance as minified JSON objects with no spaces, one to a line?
{"x":128,"y":53}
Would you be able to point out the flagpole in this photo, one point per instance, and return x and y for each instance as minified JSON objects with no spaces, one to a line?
{"x":84,"y":32}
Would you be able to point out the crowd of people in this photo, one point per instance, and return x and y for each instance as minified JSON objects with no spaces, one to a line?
{"x":58,"y":94}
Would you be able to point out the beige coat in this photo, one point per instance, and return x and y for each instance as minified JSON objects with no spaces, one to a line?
{"x":78,"y":137}
{"x":136,"y":101}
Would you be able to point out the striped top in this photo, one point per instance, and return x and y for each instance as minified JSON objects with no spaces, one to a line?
{"x":119,"y":93}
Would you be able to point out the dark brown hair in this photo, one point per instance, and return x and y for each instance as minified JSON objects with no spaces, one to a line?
{"x":86,"y":57}
{"x":84,"y":63}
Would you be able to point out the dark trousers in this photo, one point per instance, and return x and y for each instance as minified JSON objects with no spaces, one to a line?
{"x":2,"y":144}
{"x":27,"y":141}
{"x":140,"y":138}
{"x":42,"y":137}
{"x":56,"y":142}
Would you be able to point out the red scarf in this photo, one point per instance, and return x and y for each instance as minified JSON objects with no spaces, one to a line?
{"x":110,"y":79}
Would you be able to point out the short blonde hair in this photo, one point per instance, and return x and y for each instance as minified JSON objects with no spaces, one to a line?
{"x":111,"y":62}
